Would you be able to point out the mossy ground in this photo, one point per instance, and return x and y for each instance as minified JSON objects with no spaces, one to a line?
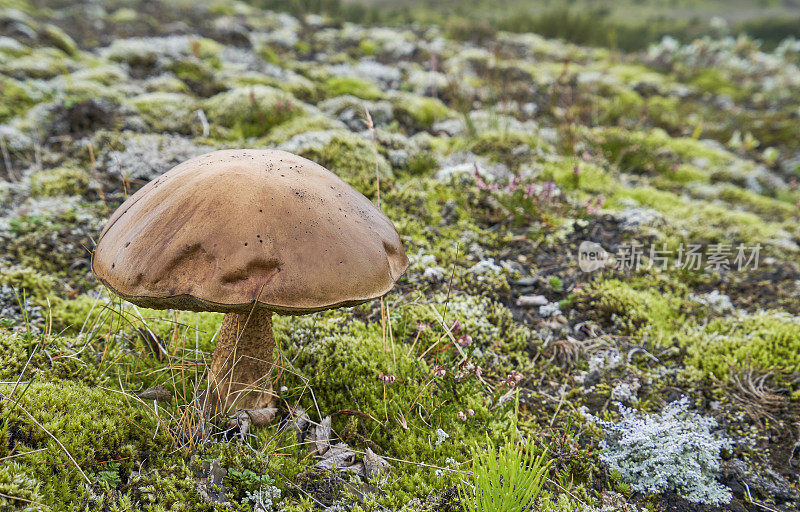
{"x":494,"y":167}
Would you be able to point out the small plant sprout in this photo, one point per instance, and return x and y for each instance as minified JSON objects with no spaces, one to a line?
{"x":505,"y":481}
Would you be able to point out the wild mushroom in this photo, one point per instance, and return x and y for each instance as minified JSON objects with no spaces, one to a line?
{"x":248,"y":233}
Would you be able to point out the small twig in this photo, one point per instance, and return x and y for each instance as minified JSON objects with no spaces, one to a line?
{"x":9,"y":457}
{"x":371,"y":127}
{"x":19,"y":379}
{"x":17,"y":498}
{"x":558,"y":409}
{"x":750,"y":498}
{"x":93,"y":170}
{"x":203,"y":121}
{"x":7,"y":160}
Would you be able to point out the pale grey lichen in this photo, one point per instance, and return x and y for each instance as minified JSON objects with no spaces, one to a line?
{"x":265,"y":499}
{"x":147,"y":156}
{"x":719,"y":302}
{"x":550,"y":309}
{"x":673,"y":450}
{"x":441,"y":436}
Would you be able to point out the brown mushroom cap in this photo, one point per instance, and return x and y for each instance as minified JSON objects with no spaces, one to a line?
{"x":227,"y":228}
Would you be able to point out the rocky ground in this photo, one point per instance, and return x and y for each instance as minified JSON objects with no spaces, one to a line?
{"x":668,"y":379}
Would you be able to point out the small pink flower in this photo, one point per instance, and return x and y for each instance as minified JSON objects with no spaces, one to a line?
{"x":513,"y":379}
{"x":386,"y":379}
{"x":462,"y":416}
{"x":470,"y":412}
{"x":465,"y":340}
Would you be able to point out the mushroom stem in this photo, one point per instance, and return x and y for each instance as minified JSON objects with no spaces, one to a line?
{"x":241,"y":368}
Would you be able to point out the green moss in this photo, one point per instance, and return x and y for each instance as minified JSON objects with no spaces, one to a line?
{"x":340,"y":86}
{"x":166,"y":82}
{"x":419,"y":112}
{"x":95,"y":426}
{"x":43,"y":63}
{"x":346,"y":365}
{"x":170,"y":487}
{"x":69,"y":181}
{"x":765,"y":340}
{"x":714,"y":81}
{"x":49,"y":358}
{"x":654,"y":151}
{"x":56,"y":37}
{"x":350,"y":157}
{"x":33,"y":283}
{"x":100,"y":72}
{"x":368,"y":47}
{"x":501,"y":146}
{"x":44,"y":242}
{"x":15,"y":99}
{"x":199,"y":75}
{"x":13,"y":48}
{"x":297,"y":85}
{"x":702,"y":220}
{"x":591,"y":178}
{"x":124,"y":15}
{"x":252,"y":111}
{"x":96,"y":314}
{"x":16,"y":480}
{"x":421,"y":164}
{"x":642,"y":306}
{"x":766,"y":207}
{"x":167,"y":111}
{"x":560,"y":503}
{"x":618,"y":104}
{"x":269,"y":55}
{"x":300,"y":124}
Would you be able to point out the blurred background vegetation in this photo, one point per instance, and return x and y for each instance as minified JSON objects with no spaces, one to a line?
{"x":624,"y":24}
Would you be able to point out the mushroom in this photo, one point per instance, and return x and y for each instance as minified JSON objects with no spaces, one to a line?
{"x":248,"y":233}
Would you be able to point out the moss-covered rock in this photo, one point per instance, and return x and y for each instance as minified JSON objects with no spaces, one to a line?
{"x":168,"y":111}
{"x":55,"y":36}
{"x":16,"y":98}
{"x":252,"y":111}
{"x":417,"y":112}
{"x":41,"y":63}
{"x":69,"y":181}
{"x":340,"y":86}
{"x":299,"y":125}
